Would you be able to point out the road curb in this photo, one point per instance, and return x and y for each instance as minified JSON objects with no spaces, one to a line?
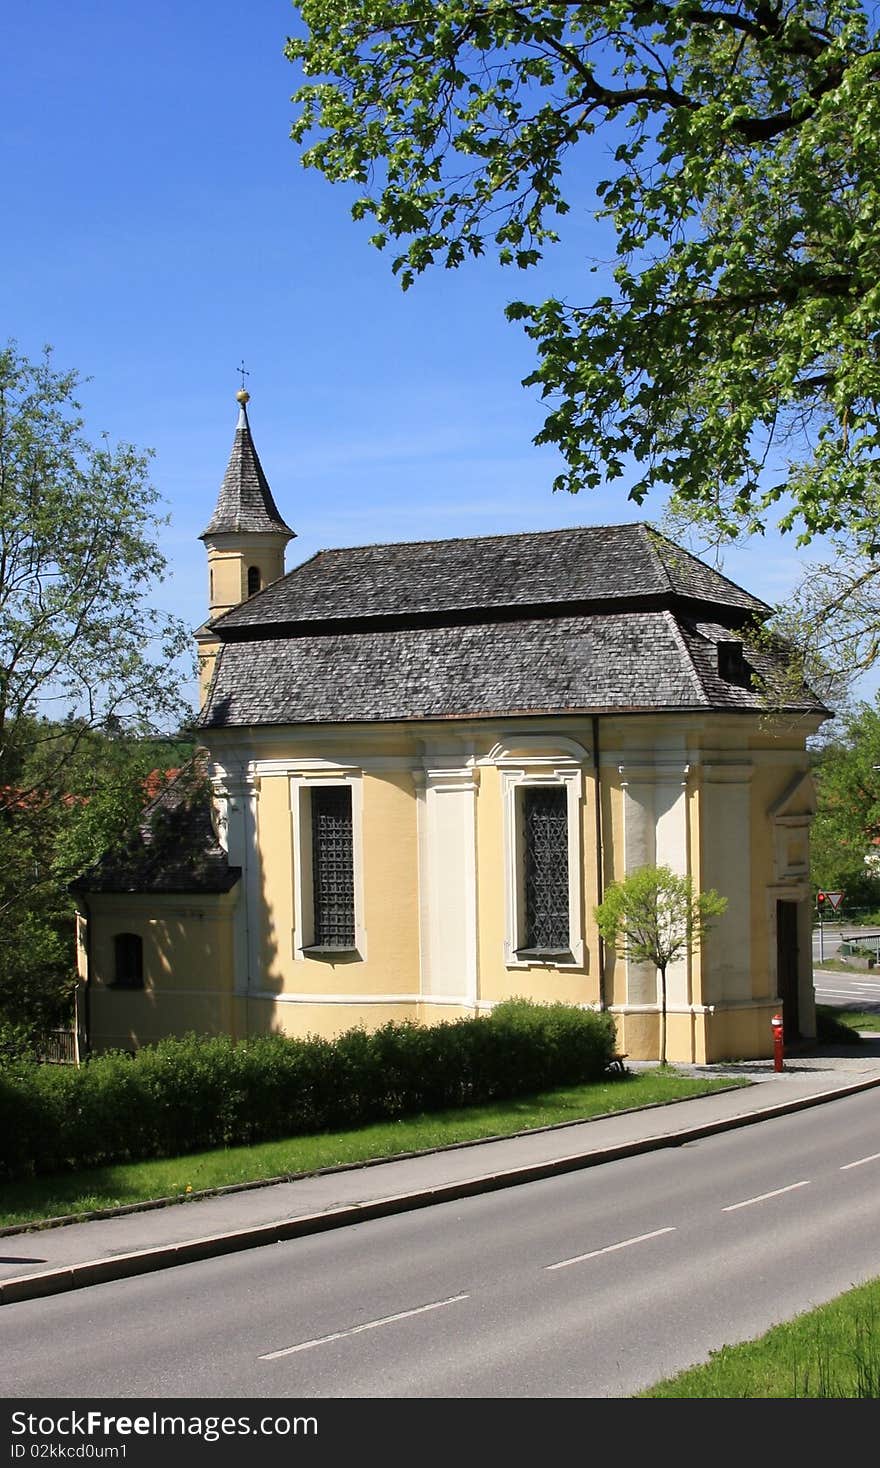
{"x":146,"y":1261}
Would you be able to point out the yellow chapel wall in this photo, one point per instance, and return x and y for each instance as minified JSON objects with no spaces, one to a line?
{"x":190,"y":981}
{"x":386,"y":864}
{"x":187,"y":968}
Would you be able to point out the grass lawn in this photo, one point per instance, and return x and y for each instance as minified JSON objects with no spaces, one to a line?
{"x":858,"y":1019}
{"x":178,"y":1178}
{"x":833,"y":1351}
{"x":828,"y":1015}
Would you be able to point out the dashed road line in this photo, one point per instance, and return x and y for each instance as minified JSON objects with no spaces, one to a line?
{"x":762,"y":1197}
{"x":610,"y":1248}
{"x":339,"y":1335}
{"x":860,"y":1162}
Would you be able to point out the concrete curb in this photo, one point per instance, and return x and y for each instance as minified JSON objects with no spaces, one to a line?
{"x":145,"y":1261}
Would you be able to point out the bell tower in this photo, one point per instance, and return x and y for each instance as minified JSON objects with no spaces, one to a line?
{"x":245,"y":538}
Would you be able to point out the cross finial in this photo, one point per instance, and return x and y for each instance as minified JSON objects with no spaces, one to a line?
{"x":243,"y":395}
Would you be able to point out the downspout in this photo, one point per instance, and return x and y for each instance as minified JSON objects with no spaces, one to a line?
{"x":600,"y":885}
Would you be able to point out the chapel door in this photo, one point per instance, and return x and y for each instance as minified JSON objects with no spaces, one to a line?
{"x":787,"y":967}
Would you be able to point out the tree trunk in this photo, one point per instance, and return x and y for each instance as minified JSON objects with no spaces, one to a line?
{"x":663,"y":1015}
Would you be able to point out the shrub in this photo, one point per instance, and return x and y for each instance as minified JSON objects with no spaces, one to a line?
{"x":183,"y":1095}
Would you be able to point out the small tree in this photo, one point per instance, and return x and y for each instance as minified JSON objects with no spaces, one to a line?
{"x":655,"y":916}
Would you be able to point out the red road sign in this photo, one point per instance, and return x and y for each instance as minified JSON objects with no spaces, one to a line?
{"x":835,"y":898}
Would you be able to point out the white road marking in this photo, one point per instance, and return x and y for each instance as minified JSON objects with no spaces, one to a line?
{"x":610,"y":1248}
{"x":851,"y":987}
{"x":339,"y":1335}
{"x":747,"y":1202}
{"x":852,"y":995}
{"x":874,"y":1157}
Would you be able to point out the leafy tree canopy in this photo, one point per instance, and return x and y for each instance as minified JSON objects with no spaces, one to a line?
{"x":846,"y":827}
{"x":88,"y":667}
{"x":654,"y":915}
{"x":79,"y":561}
{"x":732,"y":358}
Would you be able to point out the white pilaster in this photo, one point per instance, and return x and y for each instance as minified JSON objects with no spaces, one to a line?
{"x":655,"y":833}
{"x":727,"y":866}
{"x":237,"y":796}
{"x":448,"y":881}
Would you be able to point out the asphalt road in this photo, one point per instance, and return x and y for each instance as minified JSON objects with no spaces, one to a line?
{"x":847,"y":991}
{"x":594,"y":1284}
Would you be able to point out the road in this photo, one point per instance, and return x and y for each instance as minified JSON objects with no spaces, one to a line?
{"x":594,"y":1284}
{"x":854,"y":990}
{"x":847,"y":991}
{"x":827,"y":941}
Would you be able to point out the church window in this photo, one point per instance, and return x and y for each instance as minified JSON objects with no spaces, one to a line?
{"x":542,"y":792}
{"x":129,"y":961}
{"x":328,"y":899}
{"x":333,"y":868}
{"x":545,"y":868}
{"x":254,"y":580}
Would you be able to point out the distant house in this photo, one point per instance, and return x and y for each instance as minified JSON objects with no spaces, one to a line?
{"x":424,"y":762}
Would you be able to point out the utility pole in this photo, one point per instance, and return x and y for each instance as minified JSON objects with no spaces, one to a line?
{"x":820,"y":906}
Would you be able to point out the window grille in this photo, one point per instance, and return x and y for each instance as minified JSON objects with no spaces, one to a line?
{"x":333,"y":868}
{"x":545,"y":854}
{"x":129,"y":965}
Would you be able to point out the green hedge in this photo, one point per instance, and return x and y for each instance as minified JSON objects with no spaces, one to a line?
{"x":184,"y":1095}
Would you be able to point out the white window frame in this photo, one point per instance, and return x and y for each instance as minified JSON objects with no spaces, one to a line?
{"x":514,"y":783}
{"x":301,"y":787}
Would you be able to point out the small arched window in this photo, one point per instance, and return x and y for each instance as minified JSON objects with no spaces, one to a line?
{"x":254,"y":581}
{"x":129,"y":965}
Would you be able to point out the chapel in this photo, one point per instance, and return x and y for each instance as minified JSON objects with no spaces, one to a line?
{"x":420,"y":766}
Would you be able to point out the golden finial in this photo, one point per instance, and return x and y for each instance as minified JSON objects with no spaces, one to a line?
{"x":243,"y":396}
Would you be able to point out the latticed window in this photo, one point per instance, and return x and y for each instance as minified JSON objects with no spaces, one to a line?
{"x":545,"y":856}
{"x":333,"y":867}
{"x":254,"y":580}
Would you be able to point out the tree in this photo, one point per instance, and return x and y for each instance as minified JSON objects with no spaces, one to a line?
{"x":846,"y":827}
{"x":84,"y":660}
{"x":654,"y":916}
{"x":730,"y":355}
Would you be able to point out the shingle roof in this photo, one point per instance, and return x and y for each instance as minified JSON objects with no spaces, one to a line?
{"x":566,"y":621}
{"x":245,"y":502}
{"x":602,"y":662}
{"x":174,"y":847}
{"x":589,"y":564}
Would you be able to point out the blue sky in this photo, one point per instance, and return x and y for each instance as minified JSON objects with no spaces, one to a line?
{"x":160,"y":227}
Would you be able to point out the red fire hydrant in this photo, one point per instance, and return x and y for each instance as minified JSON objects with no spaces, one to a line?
{"x":776,"y":1022}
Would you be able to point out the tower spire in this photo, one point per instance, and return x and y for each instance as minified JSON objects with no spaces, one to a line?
{"x":246,"y":535}
{"x":245,"y":503}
